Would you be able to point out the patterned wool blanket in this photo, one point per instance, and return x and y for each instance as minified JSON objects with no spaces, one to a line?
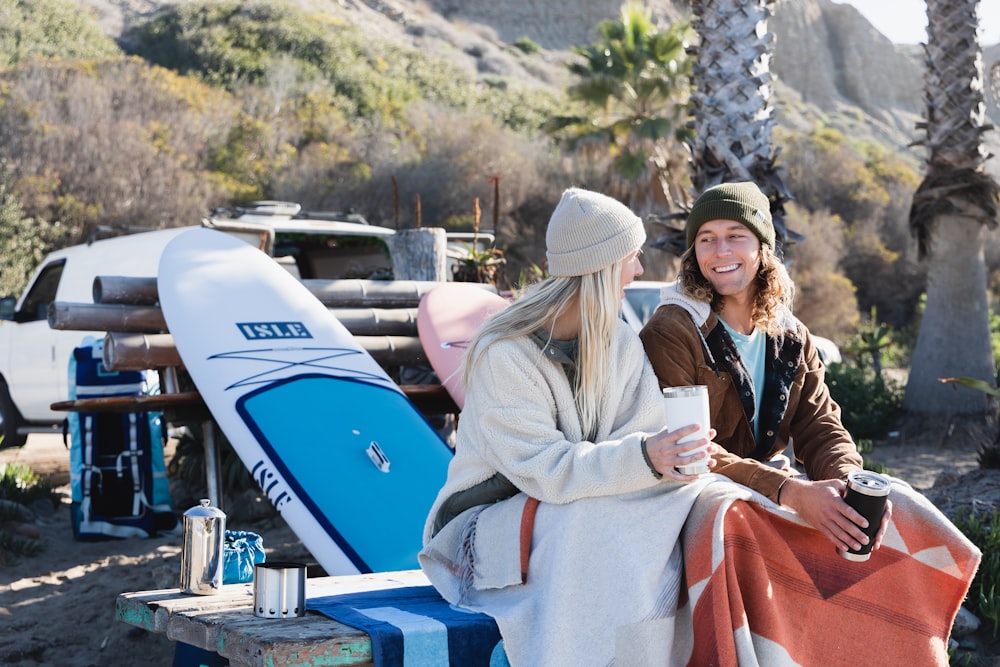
{"x":765,"y":589}
{"x":762,"y":589}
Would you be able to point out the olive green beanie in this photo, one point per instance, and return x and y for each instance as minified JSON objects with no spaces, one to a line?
{"x":742,"y":202}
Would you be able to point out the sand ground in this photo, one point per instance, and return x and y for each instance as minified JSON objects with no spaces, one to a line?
{"x":58,"y":608}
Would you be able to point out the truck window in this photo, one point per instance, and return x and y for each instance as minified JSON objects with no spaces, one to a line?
{"x":643,"y":301}
{"x":42,"y":293}
{"x":328,"y":256}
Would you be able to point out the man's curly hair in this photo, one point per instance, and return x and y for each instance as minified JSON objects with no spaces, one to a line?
{"x":775,"y":289}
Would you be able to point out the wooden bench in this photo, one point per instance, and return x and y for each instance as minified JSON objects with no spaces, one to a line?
{"x":225,"y":623}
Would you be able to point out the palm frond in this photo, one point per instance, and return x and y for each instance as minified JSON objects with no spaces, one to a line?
{"x":973,"y":383}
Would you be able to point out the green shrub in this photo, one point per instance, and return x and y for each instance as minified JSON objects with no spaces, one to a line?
{"x":235,"y":44}
{"x":865,"y":448}
{"x":869,"y":408}
{"x":12,"y":547}
{"x":23,"y":240}
{"x":526,"y":45}
{"x":21,"y":484}
{"x":984,"y":531}
{"x":188,"y":463}
{"x":988,"y":457}
{"x":50,"y":29}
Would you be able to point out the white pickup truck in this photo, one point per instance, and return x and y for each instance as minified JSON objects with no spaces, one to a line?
{"x":34,"y":358}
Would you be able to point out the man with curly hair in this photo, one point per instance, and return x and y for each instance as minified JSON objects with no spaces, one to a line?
{"x":727,"y":323}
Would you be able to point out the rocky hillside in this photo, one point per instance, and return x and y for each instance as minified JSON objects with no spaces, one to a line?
{"x":830,"y":61}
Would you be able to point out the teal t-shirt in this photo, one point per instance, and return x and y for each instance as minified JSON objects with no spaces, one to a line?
{"x":751,"y":348}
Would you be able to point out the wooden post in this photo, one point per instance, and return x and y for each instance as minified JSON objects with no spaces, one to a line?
{"x":495,"y":182}
{"x":419,"y":254}
{"x":395,"y":202}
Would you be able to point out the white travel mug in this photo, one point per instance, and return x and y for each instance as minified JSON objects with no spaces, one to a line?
{"x":685,"y":406}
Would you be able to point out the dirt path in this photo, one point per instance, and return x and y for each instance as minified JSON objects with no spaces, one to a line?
{"x":921,"y":462}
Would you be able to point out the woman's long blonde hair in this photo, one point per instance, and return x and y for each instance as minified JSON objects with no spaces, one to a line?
{"x":597,"y":296}
{"x":775,"y":289}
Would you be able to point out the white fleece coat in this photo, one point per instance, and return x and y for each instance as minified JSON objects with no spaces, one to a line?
{"x":605,"y":567}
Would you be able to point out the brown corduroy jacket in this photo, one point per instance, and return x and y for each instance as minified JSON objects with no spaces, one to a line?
{"x":796,"y":405}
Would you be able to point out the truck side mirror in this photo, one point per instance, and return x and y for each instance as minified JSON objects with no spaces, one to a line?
{"x":8,"y":304}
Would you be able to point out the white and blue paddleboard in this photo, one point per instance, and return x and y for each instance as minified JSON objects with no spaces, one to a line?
{"x":352,"y":466}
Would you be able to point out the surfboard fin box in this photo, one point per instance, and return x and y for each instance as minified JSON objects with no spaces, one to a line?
{"x":378,"y":457}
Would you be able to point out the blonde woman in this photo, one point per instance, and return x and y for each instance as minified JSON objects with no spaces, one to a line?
{"x":562,"y":507}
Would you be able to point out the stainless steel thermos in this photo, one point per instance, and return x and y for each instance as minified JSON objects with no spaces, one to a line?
{"x":202,"y":556}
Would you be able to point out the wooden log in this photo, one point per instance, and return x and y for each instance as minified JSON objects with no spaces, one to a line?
{"x":184,"y":407}
{"x":378,"y":321}
{"x":136,"y":351}
{"x":371,"y":293}
{"x":106,"y":317}
{"x":149,"y":319}
{"x":129,"y":351}
{"x":394,"y":350}
{"x":343,"y":293}
{"x":189,"y":406}
{"x":126,"y":290}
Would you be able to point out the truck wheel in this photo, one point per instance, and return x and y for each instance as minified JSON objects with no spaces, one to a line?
{"x":10,"y":421}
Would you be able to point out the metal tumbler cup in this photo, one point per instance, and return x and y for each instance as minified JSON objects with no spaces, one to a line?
{"x":684,"y":406}
{"x":202,"y":555}
{"x":867,"y":493}
{"x":279,"y":590}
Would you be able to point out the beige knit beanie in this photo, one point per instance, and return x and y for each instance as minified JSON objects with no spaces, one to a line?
{"x":589,"y":231}
{"x":742,"y":202}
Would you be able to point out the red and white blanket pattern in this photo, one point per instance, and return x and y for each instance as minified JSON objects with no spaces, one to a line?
{"x":765,"y":589}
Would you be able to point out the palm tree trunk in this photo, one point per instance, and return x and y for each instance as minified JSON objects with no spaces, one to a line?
{"x":732,"y":103}
{"x":954,"y":338}
{"x":733,"y":113}
{"x":952,"y":205}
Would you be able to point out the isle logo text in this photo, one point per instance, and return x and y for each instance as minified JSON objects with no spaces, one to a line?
{"x":273,"y":330}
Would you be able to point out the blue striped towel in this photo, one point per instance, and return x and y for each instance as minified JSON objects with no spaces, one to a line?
{"x":415,"y":627}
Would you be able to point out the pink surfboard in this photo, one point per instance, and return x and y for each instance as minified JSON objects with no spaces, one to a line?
{"x":447,"y":318}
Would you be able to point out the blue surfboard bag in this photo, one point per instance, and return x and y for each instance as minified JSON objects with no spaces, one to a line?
{"x":118,"y":476}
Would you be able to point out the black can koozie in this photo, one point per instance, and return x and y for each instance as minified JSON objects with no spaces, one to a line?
{"x":867,"y":493}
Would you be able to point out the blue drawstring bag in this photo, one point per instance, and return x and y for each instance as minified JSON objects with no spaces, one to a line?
{"x":241,"y":551}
